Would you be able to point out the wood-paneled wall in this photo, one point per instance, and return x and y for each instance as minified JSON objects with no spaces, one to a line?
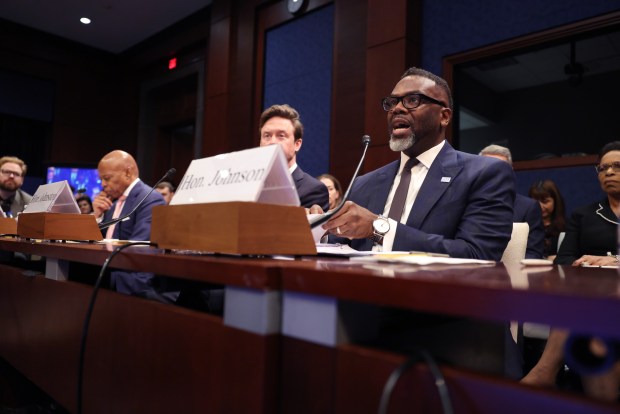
{"x":98,"y":94}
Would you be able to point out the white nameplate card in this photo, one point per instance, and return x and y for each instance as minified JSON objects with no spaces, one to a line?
{"x":53,"y":198}
{"x":256,"y":175}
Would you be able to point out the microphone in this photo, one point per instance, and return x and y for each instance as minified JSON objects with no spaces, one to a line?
{"x":324,"y":217}
{"x":106,"y":224}
{"x":578,"y":355}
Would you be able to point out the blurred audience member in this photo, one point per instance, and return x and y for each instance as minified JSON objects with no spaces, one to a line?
{"x":552,"y":207}
{"x":592,"y":231}
{"x":525,"y":209}
{"x":85,"y":204}
{"x":12,"y":199}
{"x":166,"y":189}
{"x":333,"y":187}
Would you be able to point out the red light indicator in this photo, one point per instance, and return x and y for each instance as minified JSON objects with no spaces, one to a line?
{"x":172,"y":63}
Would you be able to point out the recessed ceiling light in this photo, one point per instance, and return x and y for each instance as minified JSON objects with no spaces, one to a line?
{"x":85,"y":20}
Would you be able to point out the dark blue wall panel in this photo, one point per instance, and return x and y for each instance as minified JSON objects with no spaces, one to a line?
{"x":298,"y":66}
{"x":452,"y":26}
{"x":578,"y":185}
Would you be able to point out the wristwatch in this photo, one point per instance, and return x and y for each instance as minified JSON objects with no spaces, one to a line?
{"x":380,"y":226}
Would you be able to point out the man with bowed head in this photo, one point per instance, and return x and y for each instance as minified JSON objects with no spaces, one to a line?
{"x":433,"y":198}
{"x":122,"y":191}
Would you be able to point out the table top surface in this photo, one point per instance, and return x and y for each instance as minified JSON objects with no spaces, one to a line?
{"x":587,"y":299}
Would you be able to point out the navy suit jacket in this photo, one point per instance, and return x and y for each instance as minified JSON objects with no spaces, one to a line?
{"x":464,"y":207}
{"x":138,"y":225}
{"x":527,"y":210}
{"x":311,"y":191}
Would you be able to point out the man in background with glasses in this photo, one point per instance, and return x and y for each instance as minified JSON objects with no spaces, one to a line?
{"x":434,"y":198}
{"x":12,"y":199}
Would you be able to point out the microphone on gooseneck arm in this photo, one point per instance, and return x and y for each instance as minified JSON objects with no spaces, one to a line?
{"x":324,"y":217}
{"x":106,"y":224}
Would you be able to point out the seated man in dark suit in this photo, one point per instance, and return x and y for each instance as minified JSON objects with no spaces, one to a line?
{"x":122,"y":191}
{"x":526,"y":210}
{"x":433,"y":199}
{"x":280,"y":124}
{"x":448,"y":202}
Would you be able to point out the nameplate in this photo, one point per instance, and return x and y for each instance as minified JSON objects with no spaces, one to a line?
{"x":255,"y":175}
{"x":53,"y":198}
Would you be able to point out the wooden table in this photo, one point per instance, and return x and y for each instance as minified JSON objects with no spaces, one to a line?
{"x":149,"y":357}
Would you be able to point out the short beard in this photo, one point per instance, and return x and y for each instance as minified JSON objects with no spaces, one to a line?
{"x":398,"y":145}
{"x":6,"y":188}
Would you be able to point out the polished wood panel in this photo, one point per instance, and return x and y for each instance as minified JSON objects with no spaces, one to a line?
{"x":308,"y":377}
{"x":141,"y":356}
{"x":244,"y":272}
{"x":561,"y":296}
{"x":362,"y":373}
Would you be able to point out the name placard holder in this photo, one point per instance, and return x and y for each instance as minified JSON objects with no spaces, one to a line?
{"x":8,"y":225}
{"x":233,"y":227}
{"x":53,"y":214}
{"x":243,"y":202}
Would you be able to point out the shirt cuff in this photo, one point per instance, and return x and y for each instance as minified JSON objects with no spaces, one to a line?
{"x":388,"y":238}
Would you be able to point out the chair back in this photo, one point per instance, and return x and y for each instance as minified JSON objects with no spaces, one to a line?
{"x":515,"y":251}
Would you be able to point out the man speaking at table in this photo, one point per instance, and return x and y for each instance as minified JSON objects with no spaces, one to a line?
{"x":438,"y":200}
{"x":434,"y":198}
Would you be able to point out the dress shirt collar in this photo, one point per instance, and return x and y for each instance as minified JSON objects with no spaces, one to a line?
{"x":131,"y":186}
{"x":292,"y":168}
{"x":426,"y":158}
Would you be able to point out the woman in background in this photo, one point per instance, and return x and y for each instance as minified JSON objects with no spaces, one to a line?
{"x":85,"y":204}
{"x":552,"y":207}
{"x":334,"y":188}
{"x":592,"y":231}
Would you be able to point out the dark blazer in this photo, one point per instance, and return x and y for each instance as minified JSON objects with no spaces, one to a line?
{"x":593,"y":230}
{"x":464,"y":207}
{"x":138,"y":225}
{"x":527,"y":210}
{"x":311,"y":191}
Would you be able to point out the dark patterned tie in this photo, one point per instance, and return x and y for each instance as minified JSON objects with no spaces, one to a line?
{"x":6,"y":206}
{"x":400,"y":196}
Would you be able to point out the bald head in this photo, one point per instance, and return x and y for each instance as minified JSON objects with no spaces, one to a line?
{"x":117,"y":171}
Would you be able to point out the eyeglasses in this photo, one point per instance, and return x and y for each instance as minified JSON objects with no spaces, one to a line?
{"x":8,"y":173}
{"x":615,"y":166}
{"x":411,"y":101}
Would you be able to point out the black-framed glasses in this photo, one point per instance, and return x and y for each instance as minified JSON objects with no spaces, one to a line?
{"x":8,"y":173}
{"x":410,"y":101}
{"x":615,"y":166}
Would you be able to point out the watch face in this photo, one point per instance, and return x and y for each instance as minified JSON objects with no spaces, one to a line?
{"x":381,"y":225}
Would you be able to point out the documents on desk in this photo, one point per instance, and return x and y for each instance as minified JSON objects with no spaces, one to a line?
{"x":420,"y":258}
{"x":416,"y":258}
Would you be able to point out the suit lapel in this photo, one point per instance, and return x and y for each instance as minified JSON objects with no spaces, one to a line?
{"x":298,"y":174}
{"x":440,"y":176}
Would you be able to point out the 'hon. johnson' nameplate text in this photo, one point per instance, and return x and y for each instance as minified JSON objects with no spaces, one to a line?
{"x":258,"y":174}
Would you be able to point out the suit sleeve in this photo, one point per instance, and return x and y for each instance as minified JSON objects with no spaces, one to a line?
{"x":318,"y":195}
{"x":476,"y":224}
{"x":536,"y":238}
{"x":144,"y":217}
{"x":570,"y":249}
